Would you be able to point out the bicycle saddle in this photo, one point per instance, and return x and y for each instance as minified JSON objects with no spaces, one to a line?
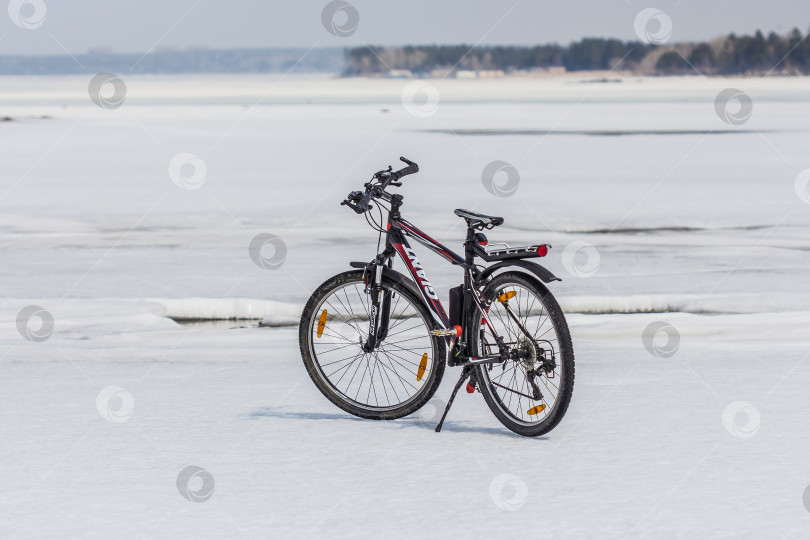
{"x":478,"y":221}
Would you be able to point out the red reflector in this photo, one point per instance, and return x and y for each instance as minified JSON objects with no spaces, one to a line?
{"x":483,"y":243}
{"x":542,"y":251}
{"x":470,"y":388}
{"x":458,"y":330}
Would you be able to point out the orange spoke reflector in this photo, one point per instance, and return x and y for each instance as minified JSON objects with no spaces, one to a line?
{"x":321,"y":323}
{"x":506,"y":296}
{"x":536,"y":410}
{"x":422,"y":367}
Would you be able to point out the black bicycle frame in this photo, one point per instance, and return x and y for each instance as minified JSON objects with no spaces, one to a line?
{"x":398,"y":231}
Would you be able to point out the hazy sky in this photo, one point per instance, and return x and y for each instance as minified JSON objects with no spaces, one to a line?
{"x":140,"y":25}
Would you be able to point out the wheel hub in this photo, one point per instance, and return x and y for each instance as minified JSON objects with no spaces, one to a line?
{"x":527,"y":353}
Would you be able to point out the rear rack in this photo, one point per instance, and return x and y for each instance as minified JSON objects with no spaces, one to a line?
{"x":509,"y":252}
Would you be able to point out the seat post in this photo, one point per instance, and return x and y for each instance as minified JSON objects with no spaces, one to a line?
{"x":469,"y":254}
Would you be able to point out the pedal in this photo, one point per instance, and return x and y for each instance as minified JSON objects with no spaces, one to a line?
{"x":450,"y":332}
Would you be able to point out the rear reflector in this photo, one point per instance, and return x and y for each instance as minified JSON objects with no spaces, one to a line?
{"x":542,"y":251}
{"x":536,"y":410}
{"x":506,"y":296}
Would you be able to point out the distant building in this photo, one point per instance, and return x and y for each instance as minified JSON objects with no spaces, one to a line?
{"x":400,"y":74}
{"x":480,"y":74}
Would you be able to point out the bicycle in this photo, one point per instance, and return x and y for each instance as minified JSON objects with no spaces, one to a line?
{"x":375,"y":342}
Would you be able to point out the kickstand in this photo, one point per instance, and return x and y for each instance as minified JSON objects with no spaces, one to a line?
{"x":465,"y":373}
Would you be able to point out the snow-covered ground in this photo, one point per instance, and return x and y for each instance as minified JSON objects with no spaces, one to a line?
{"x":700,"y":227}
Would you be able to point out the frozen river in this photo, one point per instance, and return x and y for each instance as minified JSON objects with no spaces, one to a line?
{"x":660,"y":205}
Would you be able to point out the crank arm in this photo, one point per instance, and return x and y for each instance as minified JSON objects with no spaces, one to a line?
{"x":483,"y":360}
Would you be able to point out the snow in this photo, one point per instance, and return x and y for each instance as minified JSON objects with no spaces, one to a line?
{"x":703,"y":232}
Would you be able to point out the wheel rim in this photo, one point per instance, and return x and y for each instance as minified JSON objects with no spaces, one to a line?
{"x":507,"y":382}
{"x":391,"y":376}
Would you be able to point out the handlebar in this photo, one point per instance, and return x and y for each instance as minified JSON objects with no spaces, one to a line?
{"x":359,"y":201}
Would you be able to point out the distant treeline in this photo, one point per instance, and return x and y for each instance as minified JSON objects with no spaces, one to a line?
{"x":724,"y":56}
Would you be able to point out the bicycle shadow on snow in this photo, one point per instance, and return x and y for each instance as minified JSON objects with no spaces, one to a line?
{"x":409,"y":422}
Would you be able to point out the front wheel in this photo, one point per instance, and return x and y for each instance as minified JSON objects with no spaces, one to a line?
{"x":544,"y":361}
{"x":394,"y":379}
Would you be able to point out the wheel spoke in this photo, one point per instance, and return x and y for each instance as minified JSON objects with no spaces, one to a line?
{"x":509,"y":385}
{"x":386,"y":377}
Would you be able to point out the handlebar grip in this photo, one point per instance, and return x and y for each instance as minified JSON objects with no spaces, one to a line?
{"x":362,"y":204}
{"x":410,"y":169}
{"x":354,"y":207}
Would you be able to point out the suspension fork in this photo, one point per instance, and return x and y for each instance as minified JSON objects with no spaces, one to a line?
{"x":385,"y":310}
{"x":379,"y":305}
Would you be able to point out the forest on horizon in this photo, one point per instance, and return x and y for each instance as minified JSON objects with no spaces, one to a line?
{"x":729,"y":55}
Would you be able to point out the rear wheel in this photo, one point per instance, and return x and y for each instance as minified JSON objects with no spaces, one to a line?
{"x":510,"y":388}
{"x":396,"y":378}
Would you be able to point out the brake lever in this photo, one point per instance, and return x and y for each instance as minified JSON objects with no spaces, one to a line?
{"x":379,"y":174}
{"x":353,"y":206}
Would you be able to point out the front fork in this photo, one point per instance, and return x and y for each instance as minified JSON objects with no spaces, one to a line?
{"x":379,"y":308}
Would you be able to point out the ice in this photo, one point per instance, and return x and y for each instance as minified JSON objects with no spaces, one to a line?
{"x":702,"y":231}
